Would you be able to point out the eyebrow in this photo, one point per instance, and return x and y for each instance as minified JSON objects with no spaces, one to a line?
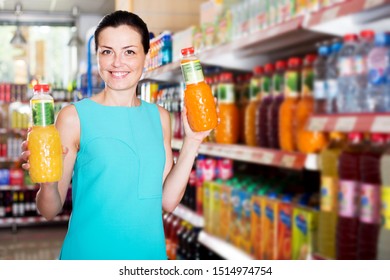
{"x":126,"y":47}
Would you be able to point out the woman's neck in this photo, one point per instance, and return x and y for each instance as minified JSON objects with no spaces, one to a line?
{"x":115,"y":98}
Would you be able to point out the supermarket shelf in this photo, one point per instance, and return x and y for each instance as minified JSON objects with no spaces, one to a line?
{"x":7,"y":159}
{"x":19,"y":131}
{"x":190,"y":216}
{"x":290,"y":160}
{"x":17,"y":188}
{"x":222,"y":248}
{"x":379,"y":123}
{"x":4,"y":222}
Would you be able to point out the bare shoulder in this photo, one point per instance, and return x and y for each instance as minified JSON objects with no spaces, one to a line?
{"x":68,"y":115}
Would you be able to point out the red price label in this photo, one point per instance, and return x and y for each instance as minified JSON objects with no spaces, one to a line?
{"x":287,"y":161}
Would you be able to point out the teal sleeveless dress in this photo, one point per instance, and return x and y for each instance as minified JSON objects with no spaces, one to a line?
{"x":117,"y":185}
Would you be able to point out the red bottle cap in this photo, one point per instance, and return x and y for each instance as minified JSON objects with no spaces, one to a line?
{"x":310,"y":58}
{"x":187,"y":51}
{"x":378,"y":137}
{"x":42,"y":87}
{"x":258,"y":70}
{"x":367,"y":34}
{"x":269,"y":67}
{"x":350,"y":37}
{"x":355,"y":136}
{"x":280,"y":65}
{"x":294,"y":62}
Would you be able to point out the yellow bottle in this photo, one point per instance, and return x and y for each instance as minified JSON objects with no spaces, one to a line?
{"x":44,"y":141}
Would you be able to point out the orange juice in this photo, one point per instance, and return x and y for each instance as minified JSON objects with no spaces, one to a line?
{"x":227,"y":131}
{"x":257,"y":222}
{"x":287,"y":110}
{"x":246,"y":241}
{"x":44,"y":141}
{"x":270,"y":227}
{"x":198,"y":98}
{"x":224,"y":212}
{"x":284,"y":228}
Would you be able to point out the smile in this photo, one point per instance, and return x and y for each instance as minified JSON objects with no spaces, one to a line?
{"x":119,"y":74}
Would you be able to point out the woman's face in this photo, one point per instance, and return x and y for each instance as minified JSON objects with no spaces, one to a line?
{"x":120,"y":57}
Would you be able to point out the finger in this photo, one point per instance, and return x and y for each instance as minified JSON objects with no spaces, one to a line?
{"x":65,"y":150}
{"x":24,"y":155}
{"x":24,"y":145}
{"x":26,"y":166}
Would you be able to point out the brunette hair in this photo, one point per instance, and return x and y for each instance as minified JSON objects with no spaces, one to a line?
{"x":118,"y":18}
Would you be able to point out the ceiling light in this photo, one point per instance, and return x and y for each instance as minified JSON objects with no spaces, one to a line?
{"x":18,"y":39}
{"x":75,"y":40}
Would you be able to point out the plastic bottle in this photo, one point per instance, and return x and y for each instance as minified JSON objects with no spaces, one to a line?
{"x":346,"y":101}
{"x":365,"y":46}
{"x":166,"y":48}
{"x":329,"y":190}
{"x":199,"y":100}
{"x":250,"y":110}
{"x":292,"y":91}
{"x":277,"y":99}
{"x":370,"y":200}
{"x":320,"y":85}
{"x":308,"y":141}
{"x":332,"y":74}
{"x":384,"y":234}
{"x":348,"y":212}
{"x":378,"y":67}
{"x":261,"y":118}
{"x":44,"y":141}
{"x":227,"y":131}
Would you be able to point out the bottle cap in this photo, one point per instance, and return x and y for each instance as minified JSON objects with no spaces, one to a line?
{"x":355,"y":136}
{"x":258,"y":70}
{"x":187,"y":51}
{"x":310,"y":58}
{"x":378,"y":137}
{"x":367,"y":34}
{"x":42,"y":87}
{"x":382,"y":39}
{"x":294,"y":62}
{"x":350,"y":37}
{"x":269,"y":67}
{"x":280,"y":65}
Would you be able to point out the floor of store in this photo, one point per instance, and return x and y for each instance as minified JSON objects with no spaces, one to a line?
{"x":32,"y":243}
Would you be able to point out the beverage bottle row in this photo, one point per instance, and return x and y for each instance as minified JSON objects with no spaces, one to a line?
{"x":182,"y":240}
{"x":10,"y":146}
{"x":353,"y":172}
{"x":13,"y":92}
{"x":160,"y":51}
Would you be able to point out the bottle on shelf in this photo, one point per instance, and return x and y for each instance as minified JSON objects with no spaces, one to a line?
{"x":327,"y":219}
{"x":378,"y":67}
{"x":227,"y":131}
{"x":348,"y":212}
{"x":384,"y":233}
{"x":250,"y":110}
{"x":320,"y":86}
{"x":199,"y":100}
{"x":287,"y":109}
{"x":277,"y":99}
{"x":262,"y":118}
{"x":370,"y":200}
{"x":332,"y":74}
{"x":365,"y":45}
{"x":2,"y":205}
{"x":44,"y":141}
{"x":346,"y":101}
{"x":308,"y":141}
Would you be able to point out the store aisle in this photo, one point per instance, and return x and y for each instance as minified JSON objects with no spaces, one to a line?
{"x":32,"y":243}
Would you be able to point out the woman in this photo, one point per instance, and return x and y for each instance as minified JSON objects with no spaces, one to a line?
{"x":118,"y":156}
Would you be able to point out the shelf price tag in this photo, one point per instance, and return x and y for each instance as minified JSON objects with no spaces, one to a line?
{"x":287,"y":161}
{"x":330,"y":14}
{"x":317,"y":123}
{"x":372,"y":3}
{"x":345,"y":124}
{"x":381,"y":124}
{"x":268,"y":158}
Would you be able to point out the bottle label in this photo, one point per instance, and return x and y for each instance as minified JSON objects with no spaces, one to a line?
{"x":254,"y":88}
{"x":277,"y":85}
{"x":319,"y":90}
{"x":192,"y":72}
{"x":377,"y":65}
{"x":293,"y":84}
{"x":370,"y":203}
{"x":266,"y":87}
{"x":42,"y":112}
{"x":360,"y":64}
{"x":307,"y":82}
{"x":349,"y":199}
{"x":226,"y":93}
{"x":329,"y":187}
{"x":386,"y":207}
{"x":332,"y":88}
{"x":346,"y":66}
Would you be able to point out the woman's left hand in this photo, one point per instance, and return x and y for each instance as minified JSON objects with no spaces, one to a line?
{"x":189,"y":134}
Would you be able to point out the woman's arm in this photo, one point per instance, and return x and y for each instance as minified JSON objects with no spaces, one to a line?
{"x":176,"y":176}
{"x":51,"y":196}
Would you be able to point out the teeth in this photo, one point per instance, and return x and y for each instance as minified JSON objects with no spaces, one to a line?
{"x":119,"y":74}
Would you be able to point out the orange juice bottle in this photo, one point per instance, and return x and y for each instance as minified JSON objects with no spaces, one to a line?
{"x":227,"y":131}
{"x":44,"y":141}
{"x":287,"y":110}
{"x":307,"y":141}
{"x":198,"y":98}
{"x":250,"y":110}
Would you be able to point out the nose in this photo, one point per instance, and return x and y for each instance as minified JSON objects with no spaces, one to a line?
{"x":117,"y":60}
